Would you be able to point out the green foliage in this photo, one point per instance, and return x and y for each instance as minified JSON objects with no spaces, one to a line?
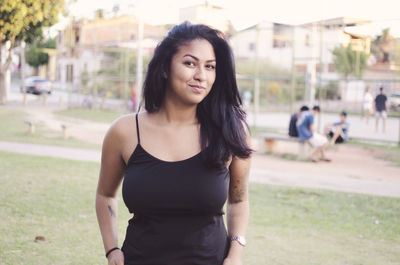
{"x":50,"y":44}
{"x":35,"y":57}
{"x":119,"y":72}
{"x":85,"y":80}
{"x":396,"y":54}
{"x":99,"y":13}
{"x":329,"y":91}
{"x":349,"y":61}
{"x":274,"y":88}
{"x":383,"y":46}
{"x":24,"y":19}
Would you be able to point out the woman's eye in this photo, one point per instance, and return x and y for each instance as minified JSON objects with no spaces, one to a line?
{"x":189,"y":63}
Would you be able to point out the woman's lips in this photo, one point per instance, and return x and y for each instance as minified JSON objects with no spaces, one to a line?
{"x":197,"y":89}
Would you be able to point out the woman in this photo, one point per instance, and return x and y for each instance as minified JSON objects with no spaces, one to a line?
{"x":188,"y":153}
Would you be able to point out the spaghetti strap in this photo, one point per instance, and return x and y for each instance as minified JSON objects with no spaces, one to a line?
{"x":137,"y":128}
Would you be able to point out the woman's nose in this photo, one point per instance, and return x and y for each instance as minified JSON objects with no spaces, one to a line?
{"x":200,"y":73}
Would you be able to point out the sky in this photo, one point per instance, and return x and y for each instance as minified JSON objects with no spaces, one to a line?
{"x":383,"y":13}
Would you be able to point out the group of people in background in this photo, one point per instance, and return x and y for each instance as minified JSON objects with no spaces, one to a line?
{"x":379,"y":105}
{"x":302,"y":126}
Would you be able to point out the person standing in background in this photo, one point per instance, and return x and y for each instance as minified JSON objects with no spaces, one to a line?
{"x":368,"y":105}
{"x":246,"y":98}
{"x":381,"y":109}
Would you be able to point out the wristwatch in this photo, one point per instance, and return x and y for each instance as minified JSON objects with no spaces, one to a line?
{"x":240,"y":239}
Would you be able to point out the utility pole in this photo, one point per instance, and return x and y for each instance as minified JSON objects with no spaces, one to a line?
{"x":126,"y":74}
{"x":22,"y":49}
{"x":293,"y":83}
{"x":257,"y":74}
{"x":312,"y":70}
{"x":139,"y":63}
{"x":321,"y":68}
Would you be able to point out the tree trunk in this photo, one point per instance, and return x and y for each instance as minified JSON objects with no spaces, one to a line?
{"x":3,"y":88}
{"x":4,"y":67}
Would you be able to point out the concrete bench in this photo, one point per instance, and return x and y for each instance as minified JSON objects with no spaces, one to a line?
{"x":269,"y":143}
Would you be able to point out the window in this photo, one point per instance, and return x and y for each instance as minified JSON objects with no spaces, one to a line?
{"x":282,"y":35}
{"x":70,"y":77}
{"x":251,"y":46}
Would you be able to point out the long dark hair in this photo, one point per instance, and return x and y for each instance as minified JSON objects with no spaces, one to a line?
{"x":222,"y":120}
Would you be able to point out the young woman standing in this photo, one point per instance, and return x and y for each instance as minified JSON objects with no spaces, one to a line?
{"x":180,"y":159}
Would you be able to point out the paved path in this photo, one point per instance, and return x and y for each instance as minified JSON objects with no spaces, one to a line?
{"x":325,"y":181}
{"x":265,"y":169}
{"x":52,"y":151}
{"x":275,"y":120}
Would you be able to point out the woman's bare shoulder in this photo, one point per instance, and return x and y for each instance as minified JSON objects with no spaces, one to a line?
{"x":123,"y":127}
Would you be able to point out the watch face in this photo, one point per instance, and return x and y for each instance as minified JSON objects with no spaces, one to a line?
{"x":240,"y":239}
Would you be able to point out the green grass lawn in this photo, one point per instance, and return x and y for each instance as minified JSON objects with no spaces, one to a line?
{"x":95,"y":115}
{"x":14,"y":129}
{"x":54,"y":198}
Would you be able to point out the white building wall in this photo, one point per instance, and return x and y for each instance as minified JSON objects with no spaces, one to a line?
{"x":282,"y":56}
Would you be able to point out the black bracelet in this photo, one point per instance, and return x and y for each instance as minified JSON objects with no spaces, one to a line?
{"x":111,"y":250}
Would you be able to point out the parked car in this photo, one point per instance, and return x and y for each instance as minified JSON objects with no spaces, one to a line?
{"x":394,"y":101}
{"x":37,"y":85}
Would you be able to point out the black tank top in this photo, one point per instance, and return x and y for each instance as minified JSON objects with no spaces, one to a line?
{"x":178,"y":210}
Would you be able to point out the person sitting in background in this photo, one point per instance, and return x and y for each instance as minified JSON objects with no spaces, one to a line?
{"x":306,"y":132}
{"x":293,"y":119}
{"x":338,"y":131}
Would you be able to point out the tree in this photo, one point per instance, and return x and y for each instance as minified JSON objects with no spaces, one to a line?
{"x":349,"y":62}
{"x":99,"y":13}
{"x":397,"y":55}
{"x":23,"y":20}
{"x":35,"y":56}
{"x":383,"y":46}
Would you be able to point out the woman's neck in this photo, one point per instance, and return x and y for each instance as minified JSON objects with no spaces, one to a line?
{"x":178,"y":114}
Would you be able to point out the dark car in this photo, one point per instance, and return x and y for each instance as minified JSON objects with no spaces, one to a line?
{"x":37,"y":85}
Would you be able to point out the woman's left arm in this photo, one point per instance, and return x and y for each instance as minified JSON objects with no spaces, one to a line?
{"x":238,"y":206}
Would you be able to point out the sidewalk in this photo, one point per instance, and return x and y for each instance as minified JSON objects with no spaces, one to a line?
{"x":271,"y":120}
{"x":272,"y":170}
{"x":52,"y":151}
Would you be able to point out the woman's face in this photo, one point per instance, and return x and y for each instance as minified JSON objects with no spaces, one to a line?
{"x":192,"y":72}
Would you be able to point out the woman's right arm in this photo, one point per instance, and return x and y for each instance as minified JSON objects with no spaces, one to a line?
{"x":111,"y":174}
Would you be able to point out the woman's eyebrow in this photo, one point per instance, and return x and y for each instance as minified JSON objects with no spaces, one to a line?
{"x":197,"y":59}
